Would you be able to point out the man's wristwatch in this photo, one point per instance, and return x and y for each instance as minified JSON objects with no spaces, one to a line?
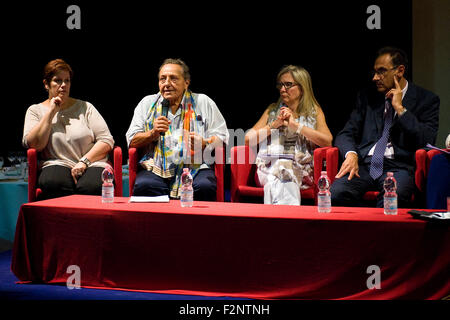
{"x":402,"y":112}
{"x":85,"y":161}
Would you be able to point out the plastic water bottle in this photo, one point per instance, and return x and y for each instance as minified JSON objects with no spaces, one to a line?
{"x":390,"y":194}
{"x":108,"y":186}
{"x":187,"y":192}
{"x":324,"y":195}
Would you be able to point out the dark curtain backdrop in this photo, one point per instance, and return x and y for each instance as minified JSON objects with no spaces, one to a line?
{"x":234,"y":51}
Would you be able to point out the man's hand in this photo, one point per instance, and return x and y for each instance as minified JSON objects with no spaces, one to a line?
{"x":350,"y":164}
{"x":140,"y":139}
{"x":161,"y":124}
{"x":395,"y":94}
{"x":195,"y":142}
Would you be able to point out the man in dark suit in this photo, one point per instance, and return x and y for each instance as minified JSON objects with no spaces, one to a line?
{"x":384,"y":130}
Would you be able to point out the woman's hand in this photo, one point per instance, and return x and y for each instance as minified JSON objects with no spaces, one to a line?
{"x":286,"y":113}
{"x":78,"y":170}
{"x":56,"y":104}
{"x":289,"y":117}
{"x":278,"y":122}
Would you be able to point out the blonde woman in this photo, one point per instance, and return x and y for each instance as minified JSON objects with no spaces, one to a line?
{"x":290,"y":129}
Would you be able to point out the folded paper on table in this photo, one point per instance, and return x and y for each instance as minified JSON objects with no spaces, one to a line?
{"x":430,"y":215}
{"x":164,"y":198}
{"x":447,"y":151}
{"x":268,"y":156}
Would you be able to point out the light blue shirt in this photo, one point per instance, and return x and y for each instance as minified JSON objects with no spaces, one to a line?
{"x":210,"y":121}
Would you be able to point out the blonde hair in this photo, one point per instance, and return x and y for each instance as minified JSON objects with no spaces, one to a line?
{"x":307,"y":104}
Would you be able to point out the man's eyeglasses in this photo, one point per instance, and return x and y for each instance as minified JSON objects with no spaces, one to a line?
{"x":286,"y":85}
{"x":381,"y":72}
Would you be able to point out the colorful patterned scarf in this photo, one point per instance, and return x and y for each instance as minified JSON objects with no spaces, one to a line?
{"x":171,"y":147}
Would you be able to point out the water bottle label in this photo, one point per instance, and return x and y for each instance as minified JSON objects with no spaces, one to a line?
{"x":187,"y":198}
{"x":324,"y":203}
{"x":390,"y":205}
{"x":107,"y":194}
{"x":324,"y":200}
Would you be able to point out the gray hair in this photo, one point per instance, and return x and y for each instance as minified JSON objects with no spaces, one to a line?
{"x":186,"y":74}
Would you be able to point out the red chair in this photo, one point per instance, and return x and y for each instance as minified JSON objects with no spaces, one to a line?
{"x":243,"y":174}
{"x":428,"y":194}
{"x":430,"y":154}
{"x":219,"y":167}
{"x":34,"y":191}
{"x":420,"y":175}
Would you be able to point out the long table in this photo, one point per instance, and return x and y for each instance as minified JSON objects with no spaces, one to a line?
{"x":233,"y":249}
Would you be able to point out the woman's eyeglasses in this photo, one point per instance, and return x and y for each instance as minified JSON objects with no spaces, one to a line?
{"x":286,"y":85}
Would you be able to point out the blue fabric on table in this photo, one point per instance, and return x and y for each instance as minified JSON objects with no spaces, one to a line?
{"x":12,"y":195}
{"x":125,"y":186}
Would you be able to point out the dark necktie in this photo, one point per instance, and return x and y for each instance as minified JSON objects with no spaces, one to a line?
{"x":376,"y":165}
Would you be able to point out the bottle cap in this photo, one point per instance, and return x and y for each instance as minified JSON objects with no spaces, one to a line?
{"x":108,"y":174}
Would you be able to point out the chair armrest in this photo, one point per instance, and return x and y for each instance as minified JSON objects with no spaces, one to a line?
{"x":117,"y":156}
{"x":430,"y":154}
{"x":331,"y":156}
{"x":422,"y":165}
{"x":423,"y":161}
{"x":132,"y":167}
{"x":32,"y":174}
{"x":319,"y":156}
{"x":242,"y":160}
{"x":332,"y":159}
{"x":219,"y":170}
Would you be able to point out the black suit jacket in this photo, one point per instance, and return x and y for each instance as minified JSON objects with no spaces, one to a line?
{"x":413,"y":130}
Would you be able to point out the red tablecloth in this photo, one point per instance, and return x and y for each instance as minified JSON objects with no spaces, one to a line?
{"x":232,"y":249}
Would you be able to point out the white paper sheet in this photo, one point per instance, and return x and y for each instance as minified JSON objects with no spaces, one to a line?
{"x":164,"y":198}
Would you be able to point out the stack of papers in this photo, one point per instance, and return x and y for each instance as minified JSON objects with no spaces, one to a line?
{"x":430,"y":215}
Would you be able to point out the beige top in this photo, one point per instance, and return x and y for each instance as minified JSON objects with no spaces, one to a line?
{"x":74,"y":132}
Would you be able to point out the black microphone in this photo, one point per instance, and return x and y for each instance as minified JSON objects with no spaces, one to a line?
{"x":165,"y":111}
